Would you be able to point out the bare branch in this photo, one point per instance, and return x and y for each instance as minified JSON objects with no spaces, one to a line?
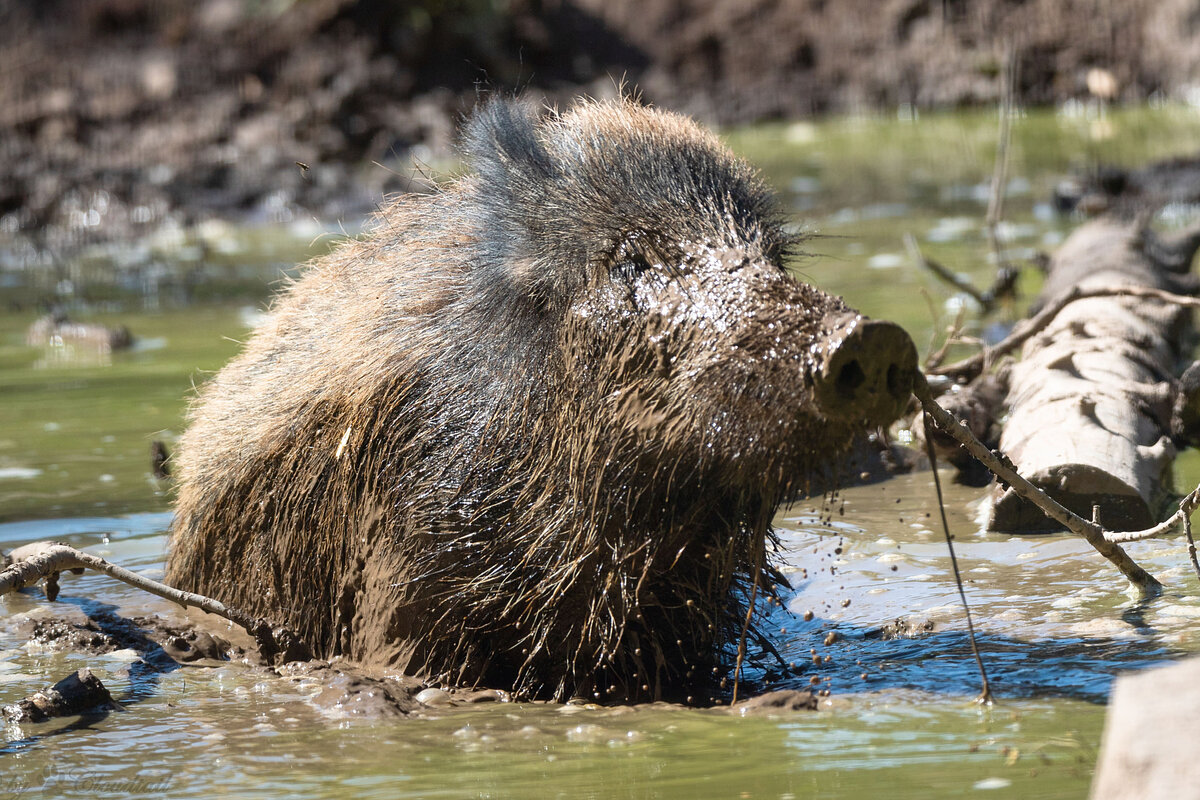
{"x":1187,"y":532}
{"x":985,"y":694}
{"x":970,"y":367}
{"x":995,"y":212}
{"x":954,"y":335}
{"x":1006,"y":278}
{"x":32,"y":562}
{"x":1003,"y":469}
{"x":948,"y":275}
{"x":1186,"y":506}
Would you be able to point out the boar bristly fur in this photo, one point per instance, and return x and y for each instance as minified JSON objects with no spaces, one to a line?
{"x":530,"y":432}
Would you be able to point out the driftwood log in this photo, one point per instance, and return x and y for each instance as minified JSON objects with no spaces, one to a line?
{"x":1091,"y":400}
{"x":1124,"y":191}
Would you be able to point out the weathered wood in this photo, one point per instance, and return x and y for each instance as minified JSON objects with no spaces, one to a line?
{"x":1150,"y":732}
{"x":1103,"y":541}
{"x":1124,"y":191}
{"x":1091,"y":399}
{"x":975,"y":405}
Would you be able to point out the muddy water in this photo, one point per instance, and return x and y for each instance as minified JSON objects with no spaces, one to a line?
{"x":886,"y":633}
{"x":906,"y":729}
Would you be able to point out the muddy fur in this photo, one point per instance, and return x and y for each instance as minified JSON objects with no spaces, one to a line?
{"x":532,"y":430}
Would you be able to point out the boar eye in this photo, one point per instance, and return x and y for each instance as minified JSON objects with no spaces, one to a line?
{"x":631,"y":264}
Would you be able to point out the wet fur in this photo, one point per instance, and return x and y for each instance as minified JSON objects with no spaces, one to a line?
{"x":531,"y":431}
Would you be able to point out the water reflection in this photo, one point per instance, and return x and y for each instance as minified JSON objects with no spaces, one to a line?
{"x":1055,"y":619}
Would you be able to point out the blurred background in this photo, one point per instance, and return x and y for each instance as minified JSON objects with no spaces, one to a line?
{"x":163,"y":163}
{"x":120,"y":117}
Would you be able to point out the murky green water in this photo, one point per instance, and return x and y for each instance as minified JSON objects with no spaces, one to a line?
{"x":1056,"y":624}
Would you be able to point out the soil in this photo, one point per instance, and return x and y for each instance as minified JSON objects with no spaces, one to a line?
{"x":121,"y":116}
{"x":341,"y":690}
{"x":161,"y":645}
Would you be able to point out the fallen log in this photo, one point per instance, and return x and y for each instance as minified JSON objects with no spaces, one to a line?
{"x":1126,"y":191}
{"x":1091,"y":400}
{"x":976,"y":405}
{"x":1106,"y":543}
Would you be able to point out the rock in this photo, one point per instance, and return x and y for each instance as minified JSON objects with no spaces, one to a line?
{"x":77,"y":693}
{"x":785,"y":700}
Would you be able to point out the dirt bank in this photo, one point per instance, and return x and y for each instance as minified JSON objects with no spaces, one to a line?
{"x":119,"y":115}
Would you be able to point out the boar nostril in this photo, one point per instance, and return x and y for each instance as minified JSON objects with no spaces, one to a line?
{"x":850,"y":377}
{"x":896,"y":386}
{"x":868,"y":371}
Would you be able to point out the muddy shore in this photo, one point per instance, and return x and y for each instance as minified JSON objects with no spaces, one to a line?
{"x":120,"y":116}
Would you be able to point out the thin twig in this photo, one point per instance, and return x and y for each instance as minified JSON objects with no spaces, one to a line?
{"x":995,"y":212}
{"x":944,"y":273}
{"x":985,"y":695}
{"x":1182,"y":516}
{"x":1006,"y":278}
{"x":1003,"y":469}
{"x":32,"y":562}
{"x":741,"y":651}
{"x":1187,"y":531}
{"x":953,"y":336}
{"x":968,"y":368}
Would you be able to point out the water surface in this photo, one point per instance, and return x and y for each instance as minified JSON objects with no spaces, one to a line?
{"x":1055,"y":620}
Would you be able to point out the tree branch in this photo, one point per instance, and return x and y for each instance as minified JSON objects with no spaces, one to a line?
{"x":1003,"y":469}
{"x":968,"y":368}
{"x":1004,"y":286}
{"x":1184,"y":513}
{"x":995,"y":212}
{"x":32,"y":562}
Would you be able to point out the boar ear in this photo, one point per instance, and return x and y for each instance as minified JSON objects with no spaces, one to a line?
{"x":501,"y":142}
{"x":517,"y":176}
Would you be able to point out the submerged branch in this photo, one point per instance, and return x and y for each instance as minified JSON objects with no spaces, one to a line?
{"x":985,"y":694}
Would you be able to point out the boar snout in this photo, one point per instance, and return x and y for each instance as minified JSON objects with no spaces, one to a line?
{"x":865,"y":370}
